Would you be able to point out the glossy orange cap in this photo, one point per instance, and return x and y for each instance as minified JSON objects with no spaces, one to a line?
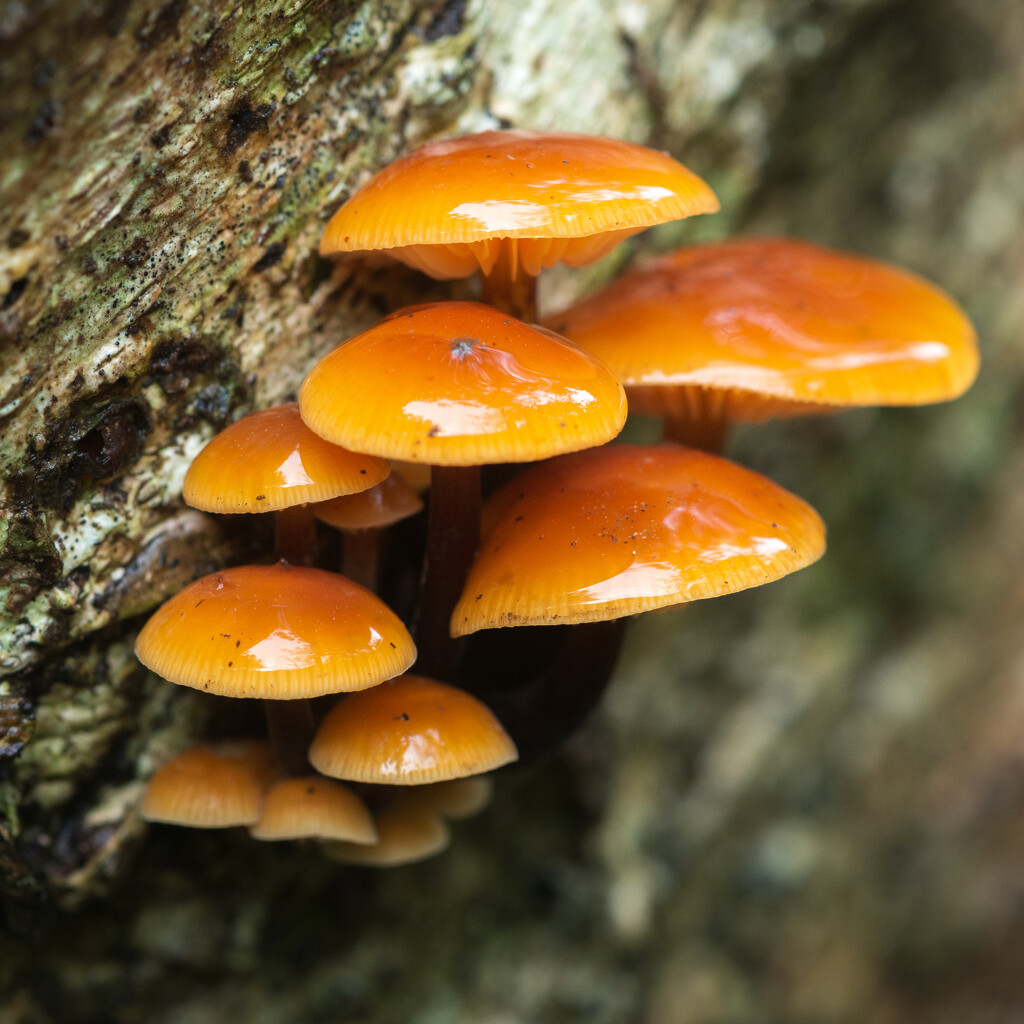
{"x":448,"y":208}
{"x":391,"y":501}
{"x":460,"y":384}
{"x":309,"y":807}
{"x":279,"y":632}
{"x":213,"y":785}
{"x":626,"y":529}
{"x":410,"y":731}
{"x":271,"y":460}
{"x":779,"y":325}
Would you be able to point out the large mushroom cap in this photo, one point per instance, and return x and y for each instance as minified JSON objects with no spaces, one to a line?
{"x":778,"y":326}
{"x":624,"y":529}
{"x":279,"y":632}
{"x":410,"y":731}
{"x":213,"y":785}
{"x":448,"y":207}
{"x":458,"y":384}
{"x":270,"y":460}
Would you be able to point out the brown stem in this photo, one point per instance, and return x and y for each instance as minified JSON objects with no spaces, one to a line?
{"x":707,"y":435}
{"x":360,"y":560}
{"x":290,"y":722}
{"x":453,"y":533}
{"x":543,"y":712}
{"x":290,"y":730}
{"x":699,"y":419}
{"x":295,"y":529}
{"x":508,"y":287}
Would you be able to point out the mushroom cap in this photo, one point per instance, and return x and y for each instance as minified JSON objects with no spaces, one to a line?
{"x":310,"y":807}
{"x":391,"y":501}
{"x":213,"y":785}
{"x":408,"y":732}
{"x":270,"y":460}
{"x":408,"y":830}
{"x":626,"y":529}
{"x":781,"y":325}
{"x":279,"y":632}
{"x":448,"y":207}
{"x":460,"y":384}
{"x":458,"y":798}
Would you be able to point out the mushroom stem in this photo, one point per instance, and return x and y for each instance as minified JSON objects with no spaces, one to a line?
{"x":290,"y":723}
{"x":360,"y":559}
{"x":453,"y":534}
{"x":544,"y":712}
{"x":508,"y":287}
{"x":699,"y":420}
{"x":290,"y":729}
{"x":295,"y":529}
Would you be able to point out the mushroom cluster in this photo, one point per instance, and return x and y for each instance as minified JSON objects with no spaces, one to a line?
{"x":534,"y":516}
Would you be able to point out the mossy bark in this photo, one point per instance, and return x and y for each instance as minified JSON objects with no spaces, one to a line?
{"x":795,"y":805}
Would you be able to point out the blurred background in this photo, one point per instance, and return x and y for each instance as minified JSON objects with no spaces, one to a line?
{"x":802,"y":803}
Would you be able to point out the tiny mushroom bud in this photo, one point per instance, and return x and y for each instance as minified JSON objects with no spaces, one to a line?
{"x":408,"y":830}
{"x":458,"y":798}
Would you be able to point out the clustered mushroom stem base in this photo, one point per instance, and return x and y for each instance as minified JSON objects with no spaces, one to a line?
{"x":453,"y":534}
{"x":290,"y":729}
{"x":295,"y":535}
{"x":509,"y":289}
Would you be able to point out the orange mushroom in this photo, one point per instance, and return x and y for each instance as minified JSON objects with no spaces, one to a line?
{"x":408,"y":830}
{"x":213,"y":785}
{"x":625,"y":529}
{"x":456,"y":385}
{"x":271,"y":461}
{"x":410,"y":731}
{"x":756,"y":328}
{"x":458,"y":798}
{"x":309,"y":807}
{"x":280,"y":632}
{"x":510,"y":203}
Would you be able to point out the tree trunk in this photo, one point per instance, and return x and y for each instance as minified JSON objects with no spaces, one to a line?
{"x":795,"y":805}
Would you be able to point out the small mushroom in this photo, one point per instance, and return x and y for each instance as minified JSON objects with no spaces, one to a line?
{"x":408,"y":732}
{"x":213,"y":785}
{"x":310,"y":807}
{"x":408,"y":830}
{"x":270,"y":461}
